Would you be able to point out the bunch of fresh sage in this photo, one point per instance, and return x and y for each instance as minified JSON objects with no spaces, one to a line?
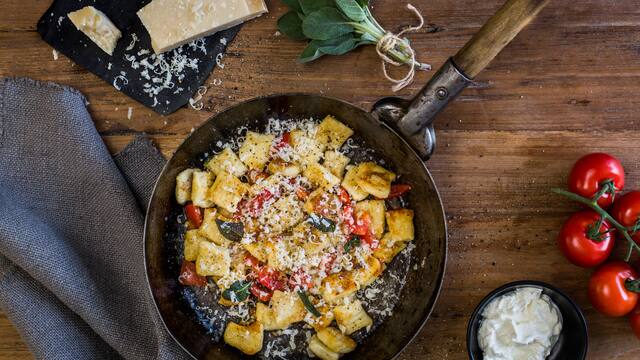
{"x":335,"y":27}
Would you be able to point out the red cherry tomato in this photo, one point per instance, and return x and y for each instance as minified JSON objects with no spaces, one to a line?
{"x":300,"y":280}
{"x":255,"y":175}
{"x":285,"y":141}
{"x":362,"y":227}
{"x":270,"y":278}
{"x":398,"y":190}
{"x":578,"y":247}
{"x":343,"y":195}
{"x":189,"y":277}
{"x":260,"y":292}
{"x":607,"y":290}
{"x":252,"y":262}
{"x":254,"y":206}
{"x":626,"y":210}
{"x":634,"y":320}
{"x":194,"y":215}
{"x":591,"y":171}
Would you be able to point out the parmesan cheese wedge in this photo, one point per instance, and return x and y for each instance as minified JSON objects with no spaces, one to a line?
{"x":97,"y":26}
{"x":171,"y":23}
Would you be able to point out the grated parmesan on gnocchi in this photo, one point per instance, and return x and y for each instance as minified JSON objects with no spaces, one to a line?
{"x":289,"y":224}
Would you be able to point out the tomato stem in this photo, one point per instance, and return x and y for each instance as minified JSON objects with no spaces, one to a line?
{"x":632,"y":285}
{"x":593,"y":204}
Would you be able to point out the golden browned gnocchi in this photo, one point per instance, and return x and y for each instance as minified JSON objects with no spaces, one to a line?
{"x":286,"y":223}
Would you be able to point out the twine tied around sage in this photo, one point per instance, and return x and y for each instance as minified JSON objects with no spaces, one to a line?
{"x":390,"y":42}
{"x":335,"y":27}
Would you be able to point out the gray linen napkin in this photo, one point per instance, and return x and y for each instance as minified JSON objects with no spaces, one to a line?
{"x":71,"y":255}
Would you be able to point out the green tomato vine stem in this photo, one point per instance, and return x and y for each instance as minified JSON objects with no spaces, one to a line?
{"x":593,"y":204}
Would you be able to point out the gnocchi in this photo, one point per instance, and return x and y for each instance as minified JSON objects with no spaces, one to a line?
{"x":290,"y":226}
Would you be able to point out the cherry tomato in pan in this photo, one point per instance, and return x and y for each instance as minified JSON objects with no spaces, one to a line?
{"x":260,"y":292}
{"x":362,"y":227}
{"x":634,"y":320}
{"x":343,"y":195}
{"x":270,"y":278}
{"x":284,"y":141}
{"x":592,"y":173}
{"x":611,"y":289}
{"x":189,"y":276}
{"x":194,"y":215}
{"x":252,"y":262}
{"x":576,"y":242}
{"x":398,"y":190}
{"x":300,"y":280}
{"x":626,"y":210}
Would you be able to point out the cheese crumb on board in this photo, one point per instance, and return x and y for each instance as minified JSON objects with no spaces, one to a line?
{"x":171,"y":23}
{"x":97,"y":26}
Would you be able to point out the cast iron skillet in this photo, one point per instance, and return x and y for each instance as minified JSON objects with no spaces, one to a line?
{"x":398,"y":130}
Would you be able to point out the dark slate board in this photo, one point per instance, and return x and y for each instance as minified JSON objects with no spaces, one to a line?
{"x":57,"y":30}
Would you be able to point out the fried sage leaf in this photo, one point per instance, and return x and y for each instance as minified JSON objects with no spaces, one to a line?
{"x":322,"y":223}
{"x":308,"y":304}
{"x":238,"y":291}
{"x":233,"y":231}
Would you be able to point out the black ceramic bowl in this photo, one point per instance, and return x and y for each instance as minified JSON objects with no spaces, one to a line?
{"x":573,"y":340}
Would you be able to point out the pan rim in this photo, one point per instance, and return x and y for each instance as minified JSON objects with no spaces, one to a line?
{"x":442,"y":270}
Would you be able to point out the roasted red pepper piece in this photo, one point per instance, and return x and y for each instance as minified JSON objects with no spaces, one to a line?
{"x":194,"y":215}
{"x":189,"y":277}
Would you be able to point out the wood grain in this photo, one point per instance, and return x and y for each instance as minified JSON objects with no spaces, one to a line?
{"x":566,"y":85}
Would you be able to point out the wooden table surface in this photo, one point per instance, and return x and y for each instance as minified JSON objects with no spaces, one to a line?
{"x":568,"y":85}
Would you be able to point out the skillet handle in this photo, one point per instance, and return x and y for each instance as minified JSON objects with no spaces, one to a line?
{"x":414,"y":118}
{"x":487,"y":43}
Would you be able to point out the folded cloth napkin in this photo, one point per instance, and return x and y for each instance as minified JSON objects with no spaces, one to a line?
{"x":72,"y":276}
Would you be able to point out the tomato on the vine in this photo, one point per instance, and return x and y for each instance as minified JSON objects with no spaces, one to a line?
{"x":594,"y":173}
{"x":612,"y":290}
{"x":583,"y":244}
{"x":626,"y":211}
{"x":634,"y":320}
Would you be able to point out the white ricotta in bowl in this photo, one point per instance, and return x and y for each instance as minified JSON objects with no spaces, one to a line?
{"x":520,"y":325}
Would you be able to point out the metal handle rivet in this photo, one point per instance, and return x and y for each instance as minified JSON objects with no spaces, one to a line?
{"x":442,"y":93}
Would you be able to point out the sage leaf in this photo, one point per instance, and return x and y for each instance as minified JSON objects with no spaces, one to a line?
{"x":325,"y":24}
{"x":322,"y":223}
{"x":230,"y":230}
{"x":308,"y":304}
{"x":363,"y":3}
{"x":353,"y":243}
{"x":338,"y":46}
{"x":310,"y":53}
{"x":238,"y":291}
{"x":311,"y":6}
{"x":293,"y":5}
{"x":290,"y":24}
{"x":351,"y":9}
